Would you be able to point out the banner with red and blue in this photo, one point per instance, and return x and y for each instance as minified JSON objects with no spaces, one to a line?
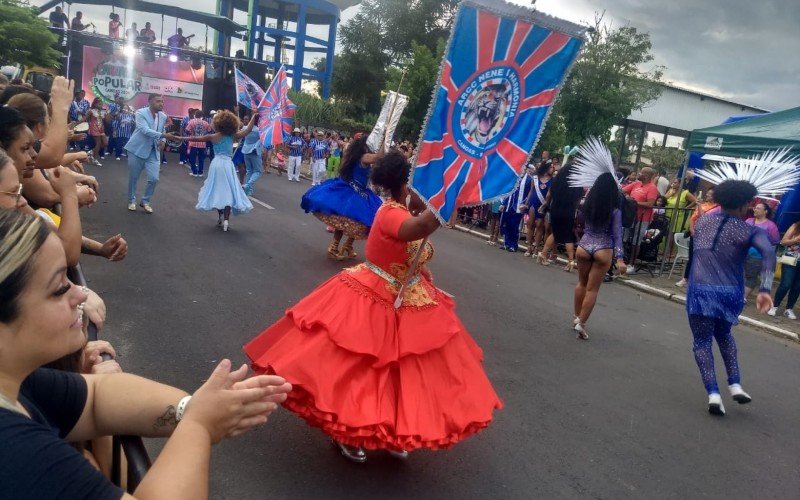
{"x":248,"y":93}
{"x":502,"y":71}
{"x":275,"y":111}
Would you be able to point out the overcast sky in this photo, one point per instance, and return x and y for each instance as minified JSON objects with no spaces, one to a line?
{"x":744,"y":50}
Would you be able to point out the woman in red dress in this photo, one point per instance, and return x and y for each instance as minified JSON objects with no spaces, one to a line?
{"x":371,"y":376}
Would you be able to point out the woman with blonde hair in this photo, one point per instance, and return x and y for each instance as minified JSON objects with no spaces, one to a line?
{"x":43,"y":410}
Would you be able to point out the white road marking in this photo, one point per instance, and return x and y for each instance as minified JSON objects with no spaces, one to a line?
{"x":268,"y":207}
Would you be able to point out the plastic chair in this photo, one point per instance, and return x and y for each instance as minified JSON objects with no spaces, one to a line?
{"x":682,"y":242}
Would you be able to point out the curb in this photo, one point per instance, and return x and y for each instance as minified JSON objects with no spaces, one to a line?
{"x":673,"y":297}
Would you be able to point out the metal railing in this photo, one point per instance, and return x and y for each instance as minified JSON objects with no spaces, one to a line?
{"x":132,"y":446}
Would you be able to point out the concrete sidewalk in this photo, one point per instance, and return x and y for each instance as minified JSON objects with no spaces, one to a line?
{"x":665,"y":287}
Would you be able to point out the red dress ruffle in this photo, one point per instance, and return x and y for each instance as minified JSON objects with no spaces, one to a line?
{"x":375,"y":377}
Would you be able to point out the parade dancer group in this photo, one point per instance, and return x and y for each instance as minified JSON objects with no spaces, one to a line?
{"x":419,"y":343}
{"x":721,"y":242}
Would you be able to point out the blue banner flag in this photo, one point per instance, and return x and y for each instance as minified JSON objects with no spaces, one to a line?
{"x":501,"y":74}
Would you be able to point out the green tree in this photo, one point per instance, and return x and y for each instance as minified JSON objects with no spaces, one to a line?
{"x":668,"y":158}
{"x":607,"y":82}
{"x":24,"y":37}
{"x":418,"y":83}
{"x":399,"y":25}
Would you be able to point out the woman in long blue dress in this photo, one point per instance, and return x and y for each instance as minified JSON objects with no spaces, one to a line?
{"x":346,"y":203}
{"x":222,"y":190}
{"x":715,"y":296}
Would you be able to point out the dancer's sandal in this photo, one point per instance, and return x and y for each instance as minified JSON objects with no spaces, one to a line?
{"x":347,"y":252}
{"x":333,"y":250}
{"x":580,"y":329}
{"x":541,"y":259}
{"x":352,"y":453}
{"x":570,"y":266}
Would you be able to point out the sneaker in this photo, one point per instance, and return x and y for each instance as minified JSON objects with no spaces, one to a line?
{"x":132,"y":206}
{"x":789,"y":314}
{"x":739,"y":395}
{"x":715,"y":406}
{"x":147,"y":208}
{"x":118,"y":158}
{"x":179,"y":163}
{"x":772,"y":311}
{"x":225,"y":226}
{"x":682,"y":282}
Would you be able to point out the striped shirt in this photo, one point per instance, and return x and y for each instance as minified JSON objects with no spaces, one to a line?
{"x":78,"y":109}
{"x":319,"y":148}
{"x":124,"y":124}
{"x":197,"y":127}
{"x":184,"y":122}
{"x":296,"y":146}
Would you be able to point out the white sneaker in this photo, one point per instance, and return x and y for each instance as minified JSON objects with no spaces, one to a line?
{"x":225,"y":226}
{"x":132,"y":207}
{"x":682,"y":282}
{"x":789,"y":314}
{"x":772,"y":311}
{"x":180,"y":163}
{"x":739,"y":395}
{"x":147,"y":208}
{"x":715,"y":406}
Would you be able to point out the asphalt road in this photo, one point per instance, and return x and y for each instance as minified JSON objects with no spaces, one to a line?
{"x":622,"y":415}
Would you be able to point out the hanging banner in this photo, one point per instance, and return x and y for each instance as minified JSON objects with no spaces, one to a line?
{"x":384,"y":129}
{"x":132,"y":78}
{"x":248,"y":92}
{"x":500,"y":76}
{"x":275,"y":111}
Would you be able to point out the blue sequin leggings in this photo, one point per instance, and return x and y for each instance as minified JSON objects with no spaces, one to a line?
{"x":706,"y":329}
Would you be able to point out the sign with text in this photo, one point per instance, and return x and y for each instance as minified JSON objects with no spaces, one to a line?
{"x":110,"y":75}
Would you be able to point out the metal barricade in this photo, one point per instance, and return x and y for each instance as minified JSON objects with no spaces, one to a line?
{"x":132,"y":446}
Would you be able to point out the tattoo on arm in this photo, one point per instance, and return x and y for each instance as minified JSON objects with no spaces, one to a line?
{"x":166,"y":420}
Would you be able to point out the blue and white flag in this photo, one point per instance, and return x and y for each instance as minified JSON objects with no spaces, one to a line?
{"x":502,"y":71}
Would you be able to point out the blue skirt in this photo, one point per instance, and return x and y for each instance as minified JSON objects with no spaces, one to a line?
{"x":346,"y":199}
{"x":222,"y":188}
{"x":238,"y":156}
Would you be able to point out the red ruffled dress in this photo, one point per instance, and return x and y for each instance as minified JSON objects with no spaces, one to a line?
{"x":373,"y":376}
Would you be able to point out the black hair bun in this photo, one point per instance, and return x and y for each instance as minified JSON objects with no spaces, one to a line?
{"x":391,"y":172}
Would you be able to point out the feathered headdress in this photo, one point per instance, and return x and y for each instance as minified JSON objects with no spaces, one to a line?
{"x":594,"y":159}
{"x":772,"y":172}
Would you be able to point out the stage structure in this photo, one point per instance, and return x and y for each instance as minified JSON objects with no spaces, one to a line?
{"x":278,"y":34}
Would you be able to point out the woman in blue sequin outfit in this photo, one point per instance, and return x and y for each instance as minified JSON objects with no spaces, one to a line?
{"x":346,"y":203}
{"x":715,"y":296}
{"x":222,"y":190}
{"x":601,"y":242}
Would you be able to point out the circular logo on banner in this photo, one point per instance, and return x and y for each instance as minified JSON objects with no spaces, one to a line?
{"x":485,"y":109}
{"x":115,"y":78}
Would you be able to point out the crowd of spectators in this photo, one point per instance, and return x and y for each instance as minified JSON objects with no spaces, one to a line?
{"x":61,"y":396}
{"x":547,"y":214}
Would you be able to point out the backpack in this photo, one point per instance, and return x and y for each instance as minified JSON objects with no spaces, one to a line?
{"x":628,"y":207}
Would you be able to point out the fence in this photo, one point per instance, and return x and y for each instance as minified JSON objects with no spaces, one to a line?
{"x":652,"y":245}
{"x":132,"y":446}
